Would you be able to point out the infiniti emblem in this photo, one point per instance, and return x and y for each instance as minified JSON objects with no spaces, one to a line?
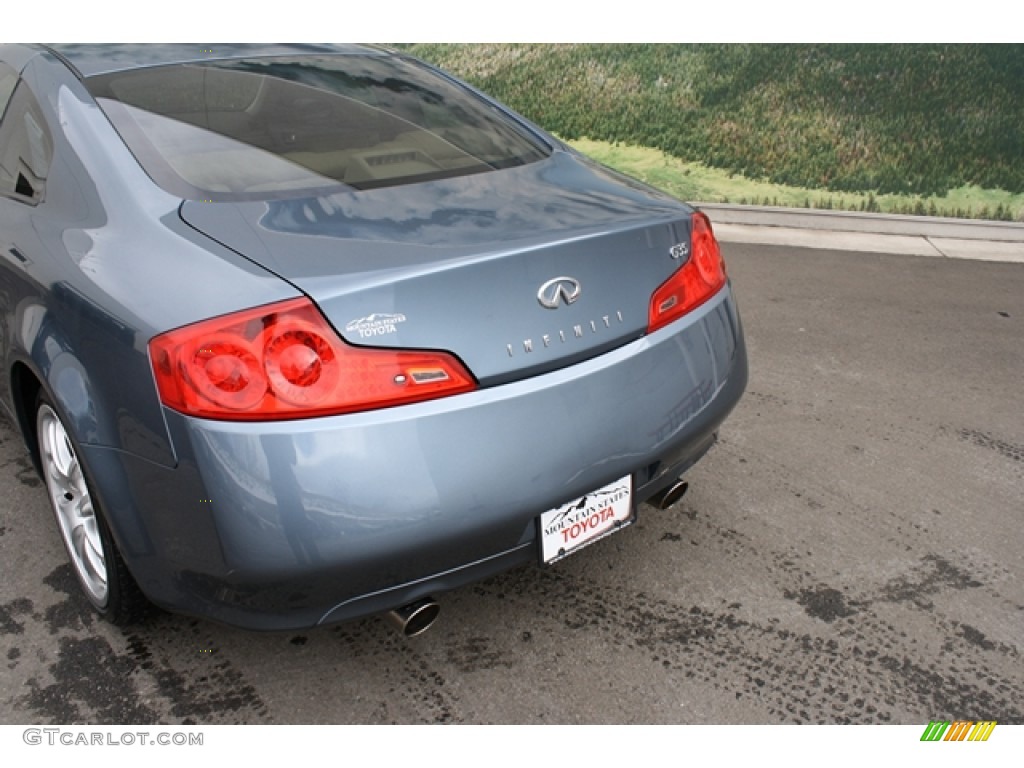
{"x":559,"y":289}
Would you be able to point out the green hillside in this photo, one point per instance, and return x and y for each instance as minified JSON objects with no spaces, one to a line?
{"x":903,"y":119}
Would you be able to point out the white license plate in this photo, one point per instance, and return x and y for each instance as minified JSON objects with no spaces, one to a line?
{"x":583,"y":521}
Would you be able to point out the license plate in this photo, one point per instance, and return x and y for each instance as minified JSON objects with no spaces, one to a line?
{"x":583,"y":521}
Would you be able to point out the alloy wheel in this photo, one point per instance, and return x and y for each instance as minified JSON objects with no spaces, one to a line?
{"x":73,"y":504}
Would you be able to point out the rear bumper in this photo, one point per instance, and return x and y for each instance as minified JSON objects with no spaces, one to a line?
{"x":293,"y":524}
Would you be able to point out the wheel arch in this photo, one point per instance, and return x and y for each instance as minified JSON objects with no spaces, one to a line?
{"x":63,"y":377}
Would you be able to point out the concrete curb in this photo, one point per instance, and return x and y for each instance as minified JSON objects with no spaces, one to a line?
{"x":868,"y":233}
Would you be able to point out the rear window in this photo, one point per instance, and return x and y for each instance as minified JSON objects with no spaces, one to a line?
{"x":264,"y":128}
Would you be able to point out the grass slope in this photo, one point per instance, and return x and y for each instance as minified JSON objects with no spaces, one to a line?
{"x":926,"y":121}
{"x":697,"y":182}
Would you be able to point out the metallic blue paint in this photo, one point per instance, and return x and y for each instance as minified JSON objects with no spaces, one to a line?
{"x":291,"y":524}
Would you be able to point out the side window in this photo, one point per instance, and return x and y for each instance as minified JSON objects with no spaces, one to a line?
{"x":26,"y":148}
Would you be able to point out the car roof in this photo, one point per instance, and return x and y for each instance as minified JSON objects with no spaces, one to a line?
{"x":89,"y":60}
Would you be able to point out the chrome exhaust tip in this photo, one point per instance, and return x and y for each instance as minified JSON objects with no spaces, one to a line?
{"x":415,"y":618}
{"x":670,"y":495}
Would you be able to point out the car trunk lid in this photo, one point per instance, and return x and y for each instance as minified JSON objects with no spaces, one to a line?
{"x":516,"y":271}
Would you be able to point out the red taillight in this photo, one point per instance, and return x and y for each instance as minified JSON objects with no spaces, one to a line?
{"x":283,"y":361}
{"x":692,"y":284}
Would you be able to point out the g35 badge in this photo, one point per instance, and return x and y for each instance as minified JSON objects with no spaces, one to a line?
{"x":679,"y":250}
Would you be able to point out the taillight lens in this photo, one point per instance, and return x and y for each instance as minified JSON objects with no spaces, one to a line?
{"x":283,"y":361}
{"x":694,"y":282}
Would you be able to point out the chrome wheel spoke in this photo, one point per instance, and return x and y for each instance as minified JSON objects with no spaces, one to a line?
{"x":76,"y":480}
{"x":87,"y":520}
{"x":59,"y":460}
{"x":91,"y":551}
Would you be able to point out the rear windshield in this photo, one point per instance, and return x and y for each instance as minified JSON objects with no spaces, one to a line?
{"x":273,"y":127}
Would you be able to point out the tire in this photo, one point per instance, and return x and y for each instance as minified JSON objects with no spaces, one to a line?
{"x":95,"y":558}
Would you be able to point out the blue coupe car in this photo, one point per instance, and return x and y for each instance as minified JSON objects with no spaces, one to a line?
{"x":297,"y":334}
